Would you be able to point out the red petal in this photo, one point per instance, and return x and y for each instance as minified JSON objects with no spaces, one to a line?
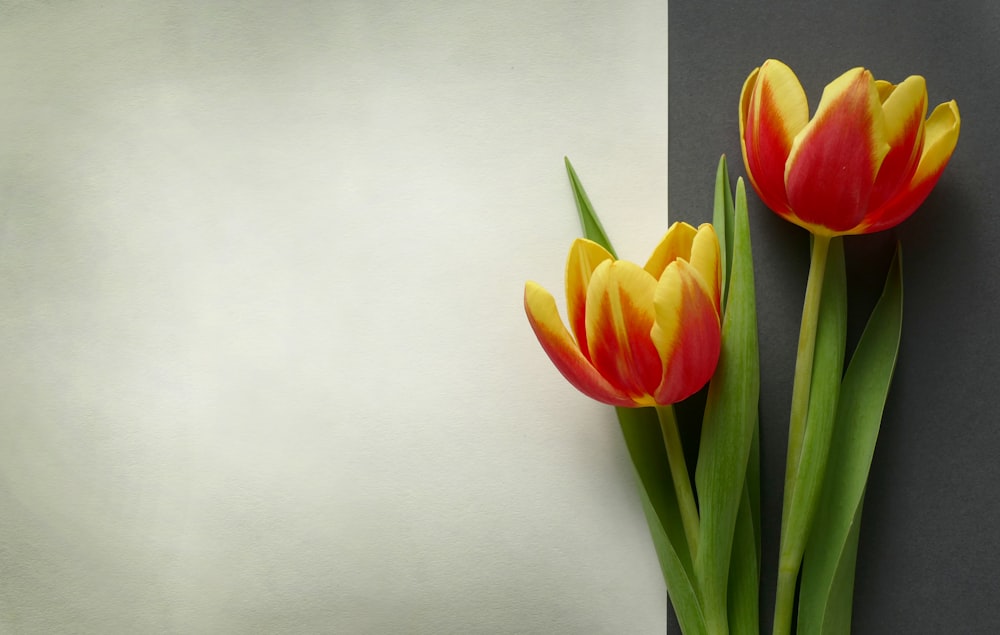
{"x":905,"y":109}
{"x":687,"y":333}
{"x":584,"y":256}
{"x":835,"y":159}
{"x":773,"y":109}
{"x":941,"y":136}
{"x":619,"y":320}
{"x":563,"y":351}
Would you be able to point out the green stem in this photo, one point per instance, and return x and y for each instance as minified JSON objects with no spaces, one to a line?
{"x":785,"y":600}
{"x":789,"y":570}
{"x":679,"y":472}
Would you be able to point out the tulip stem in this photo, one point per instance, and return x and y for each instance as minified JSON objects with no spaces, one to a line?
{"x":681,"y":478}
{"x":788,"y":565}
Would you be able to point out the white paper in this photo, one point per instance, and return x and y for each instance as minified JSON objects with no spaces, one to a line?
{"x":264,"y":366}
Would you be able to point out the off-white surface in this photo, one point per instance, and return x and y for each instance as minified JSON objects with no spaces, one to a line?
{"x":263,"y":362}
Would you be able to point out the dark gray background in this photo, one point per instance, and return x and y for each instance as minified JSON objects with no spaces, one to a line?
{"x":928,"y":556}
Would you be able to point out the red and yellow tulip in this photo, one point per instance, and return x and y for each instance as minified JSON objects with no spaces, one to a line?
{"x":864,"y":162}
{"x":641,"y":336}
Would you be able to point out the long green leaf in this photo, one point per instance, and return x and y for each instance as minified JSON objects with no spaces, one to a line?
{"x":744,"y":574}
{"x":837,"y":618}
{"x":728,"y":426}
{"x":744,"y":570}
{"x":649,"y":458}
{"x":753,"y":485}
{"x":828,"y":570}
{"x":592,"y":228}
{"x":723,"y":221}
{"x":641,"y":431}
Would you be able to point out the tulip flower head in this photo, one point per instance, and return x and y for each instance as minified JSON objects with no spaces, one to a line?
{"x":641,"y":336}
{"x":864,"y":162}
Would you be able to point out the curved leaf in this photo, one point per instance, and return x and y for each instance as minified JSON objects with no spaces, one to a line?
{"x":828,"y":569}
{"x":723,"y":216}
{"x":649,"y":458}
{"x":641,"y":430}
{"x":729,"y":424}
{"x":592,"y":228}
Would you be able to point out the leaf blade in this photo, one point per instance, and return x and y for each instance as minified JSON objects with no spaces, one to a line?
{"x":729,"y":423}
{"x":723,"y":218}
{"x":828,"y":569}
{"x":744,"y":573}
{"x":592,"y":227}
{"x":641,"y":431}
{"x":649,"y":460}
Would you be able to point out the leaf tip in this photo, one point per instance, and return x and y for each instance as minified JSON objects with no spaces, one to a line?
{"x":741,"y":192}
{"x":569,"y":166}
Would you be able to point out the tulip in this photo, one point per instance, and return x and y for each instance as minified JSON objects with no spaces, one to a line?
{"x":641,"y":336}
{"x":864,"y":162}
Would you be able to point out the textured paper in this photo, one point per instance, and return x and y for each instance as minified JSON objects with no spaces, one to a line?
{"x":264,"y":366}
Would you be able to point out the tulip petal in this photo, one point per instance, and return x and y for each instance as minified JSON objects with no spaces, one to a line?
{"x":705,"y":258}
{"x":584,"y":256}
{"x":884,"y":89}
{"x":676,"y":244}
{"x":834,"y":160}
{"x":905,"y":109}
{"x":620,"y":317}
{"x":940,"y":137}
{"x":687,"y":332}
{"x":773,"y":110}
{"x":563,"y":351}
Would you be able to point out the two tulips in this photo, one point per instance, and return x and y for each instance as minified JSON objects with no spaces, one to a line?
{"x":652,"y":335}
{"x":863,"y":163}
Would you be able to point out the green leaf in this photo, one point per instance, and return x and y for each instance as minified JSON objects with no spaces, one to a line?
{"x":656,"y":489}
{"x":729,"y":424}
{"x":828,"y":368}
{"x":744,"y":571}
{"x":592,"y":228}
{"x":828,"y":569}
{"x":723,"y":221}
{"x":839,"y":606}
{"x":641,"y":429}
{"x":753,"y":484}
{"x":744,"y":574}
